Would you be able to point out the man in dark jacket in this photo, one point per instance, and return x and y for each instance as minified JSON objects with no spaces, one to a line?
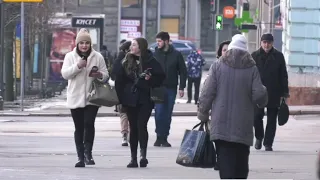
{"x":273,"y":72}
{"x":174,"y":65}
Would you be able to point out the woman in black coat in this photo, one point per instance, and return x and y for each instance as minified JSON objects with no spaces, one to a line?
{"x":138,"y":74}
{"x":123,"y":50}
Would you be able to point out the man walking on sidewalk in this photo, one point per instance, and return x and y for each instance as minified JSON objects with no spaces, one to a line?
{"x":273,"y":72}
{"x":174,"y":65}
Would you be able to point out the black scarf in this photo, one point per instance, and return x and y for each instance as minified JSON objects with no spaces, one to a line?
{"x":84,"y":55}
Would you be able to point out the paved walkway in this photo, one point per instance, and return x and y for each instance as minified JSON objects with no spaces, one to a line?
{"x":57,"y":108}
{"x":43,"y":148}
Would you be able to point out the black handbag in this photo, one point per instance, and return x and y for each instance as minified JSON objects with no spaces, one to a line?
{"x":158,"y":95}
{"x":283,"y":113}
{"x":196,"y":149}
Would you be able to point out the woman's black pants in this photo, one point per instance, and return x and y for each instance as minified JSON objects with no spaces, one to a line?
{"x":84,"y":119}
{"x":138,"y":120}
{"x":233,"y":159}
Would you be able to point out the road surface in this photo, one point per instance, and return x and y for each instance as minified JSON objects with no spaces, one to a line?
{"x":42,"y":148}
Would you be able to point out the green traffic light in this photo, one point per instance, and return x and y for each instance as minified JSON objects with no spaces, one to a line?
{"x":219,"y":18}
{"x":219,"y":23}
{"x":218,"y":26}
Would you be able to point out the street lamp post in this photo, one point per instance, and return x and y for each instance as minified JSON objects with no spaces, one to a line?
{"x":217,"y":31}
{"x":22,"y":57}
{"x":2,"y":28}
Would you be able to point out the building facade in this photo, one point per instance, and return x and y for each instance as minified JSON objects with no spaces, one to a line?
{"x":183,"y":19}
{"x":300,"y":38}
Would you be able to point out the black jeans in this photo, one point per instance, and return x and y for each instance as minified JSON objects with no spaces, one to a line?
{"x":233,"y":160}
{"x":84,"y":119}
{"x":269,"y":134}
{"x":138,"y":118}
{"x":196,"y":82}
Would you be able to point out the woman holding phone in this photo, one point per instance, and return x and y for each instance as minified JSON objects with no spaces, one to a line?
{"x":81,"y":67}
{"x":138,"y":74}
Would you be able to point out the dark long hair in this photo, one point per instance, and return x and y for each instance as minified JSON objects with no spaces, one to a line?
{"x":125,"y":47}
{"x":219,"y":51}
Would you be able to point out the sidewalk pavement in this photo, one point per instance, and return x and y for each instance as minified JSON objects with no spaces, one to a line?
{"x":36,"y":148}
{"x":58,"y":108}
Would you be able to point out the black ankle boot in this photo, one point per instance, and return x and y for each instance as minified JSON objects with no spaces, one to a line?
{"x":143,"y":160}
{"x":80,"y":153}
{"x":88,"y":159}
{"x":133,"y":163}
{"x":80,"y":163}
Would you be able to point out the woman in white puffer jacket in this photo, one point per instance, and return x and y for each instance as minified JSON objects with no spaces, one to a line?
{"x":76,"y":69}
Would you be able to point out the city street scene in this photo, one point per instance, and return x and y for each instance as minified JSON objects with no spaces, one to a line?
{"x":112,"y":89}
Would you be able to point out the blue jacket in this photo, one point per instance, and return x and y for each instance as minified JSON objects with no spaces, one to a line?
{"x":194,"y":63}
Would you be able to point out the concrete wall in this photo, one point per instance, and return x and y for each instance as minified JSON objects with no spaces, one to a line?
{"x":182,"y":19}
{"x":193,"y":21}
{"x":301,"y":38}
{"x":171,"y":7}
{"x":152,"y":21}
{"x":111,"y":11}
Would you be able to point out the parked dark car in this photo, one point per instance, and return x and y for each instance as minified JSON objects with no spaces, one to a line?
{"x":184,"y":46}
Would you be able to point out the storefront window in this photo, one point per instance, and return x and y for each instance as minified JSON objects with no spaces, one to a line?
{"x":131,"y":3}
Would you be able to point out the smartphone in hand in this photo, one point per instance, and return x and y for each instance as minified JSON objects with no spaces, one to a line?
{"x":93,"y":70}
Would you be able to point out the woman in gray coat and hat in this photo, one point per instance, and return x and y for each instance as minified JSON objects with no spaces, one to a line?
{"x":231,"y":91}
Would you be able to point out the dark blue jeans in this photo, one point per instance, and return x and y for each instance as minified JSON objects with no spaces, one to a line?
{"x":163,"y":113}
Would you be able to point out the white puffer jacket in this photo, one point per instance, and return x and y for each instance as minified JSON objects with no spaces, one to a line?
{"x":79,"y":82}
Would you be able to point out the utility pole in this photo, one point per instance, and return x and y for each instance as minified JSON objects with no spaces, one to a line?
{"x":144,"y":19}
{"x":63,"y":6}
{"x":260,"y":32}
{"x":22,"y":76}
{"x":270,"y":7}
{"x":238,"y":8}
{"x":217,"y":31}
{"x":2,"y":57}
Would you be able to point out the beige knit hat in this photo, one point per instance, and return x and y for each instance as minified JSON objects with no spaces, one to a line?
{"x":83,"y":35}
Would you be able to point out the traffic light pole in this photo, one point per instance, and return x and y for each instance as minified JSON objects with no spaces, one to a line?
{"x":22,"y":57}
{"x":217,"y":31}
{"x":2,"y":29}
{"x":270,"y":16}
